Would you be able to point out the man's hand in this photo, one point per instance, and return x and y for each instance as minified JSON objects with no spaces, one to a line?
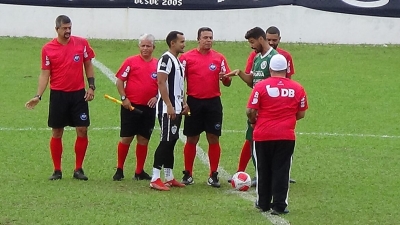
{"x":32,"y":103}
{"x":126,"y":104}
{"x":171,"y":112}
{"x":230,"y":74}
{"x":186,"y":110}
{"x":89,"y":95}
{"x":152,"y":102}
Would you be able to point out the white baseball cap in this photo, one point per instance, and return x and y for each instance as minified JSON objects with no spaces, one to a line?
{"x":278,"y":63}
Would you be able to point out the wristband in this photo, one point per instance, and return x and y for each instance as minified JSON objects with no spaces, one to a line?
{"x":38,"y":96}
{"x":90,"y":81}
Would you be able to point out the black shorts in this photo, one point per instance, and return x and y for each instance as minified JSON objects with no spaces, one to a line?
{"x":206,"y":115}
{"x":133,"y":123}
{"x":169,"y":128}
{"x":68,"y":109}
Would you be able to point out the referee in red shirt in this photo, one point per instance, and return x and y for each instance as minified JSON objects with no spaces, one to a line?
{"x":273,"y":38}
{"x":137,"y":85}
{"x":63,"y":60}
{"x":273,"y":107}
{"x":203,"y":67}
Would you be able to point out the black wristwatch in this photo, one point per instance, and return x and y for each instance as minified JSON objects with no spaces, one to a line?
{"x":38,"y":96}
{"x":123,"y":97}
{"x":92,"y":87}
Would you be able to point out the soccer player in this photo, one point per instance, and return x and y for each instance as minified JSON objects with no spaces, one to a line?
{"x":137,"y":86}
{"x":260,"y":71}
{"x":170,"y":108}
{"x":63,"y":60}
{"x":273,"y":37}
{"x":273,"y":108}
{"x":203,"y":68}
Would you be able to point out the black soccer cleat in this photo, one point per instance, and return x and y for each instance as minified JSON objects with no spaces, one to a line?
{"x":80,"y":175}
{"x":142,"y":176}
{"x":119,"y":175}
{"x":57,"y":175}
{"x":213,"y":180}
{"x":279,"y":212}
{"x":187,"y":178}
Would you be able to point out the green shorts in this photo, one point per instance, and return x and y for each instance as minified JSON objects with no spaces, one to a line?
{"x":249,"y":132}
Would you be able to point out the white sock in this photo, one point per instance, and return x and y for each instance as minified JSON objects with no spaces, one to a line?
{"x":168,"y":174}
{"x":156,"y":174}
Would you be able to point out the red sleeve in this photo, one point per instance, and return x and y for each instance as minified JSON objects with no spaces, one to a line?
{"x":182,"y":58}
{"x":249,"y":63}
{"x":224,"y":65}
{"x":290,"y":69}
{"x":124,"y":70}
{"x":303,"y":105}
{"x":88,"y":52}
{"x":254,"y":102}
{"x":45,"y":60}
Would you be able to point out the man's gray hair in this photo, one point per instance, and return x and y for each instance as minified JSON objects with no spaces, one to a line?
{"x":148,"y":37}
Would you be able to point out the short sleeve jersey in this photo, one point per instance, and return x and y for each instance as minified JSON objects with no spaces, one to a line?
{"x":277,"y":101}
{"x":288,"y":57}
{"x":171,"y":66}
{"x":65,"y":63}
{"x":260,"y":69}
{"x":140,"y":77}
{"x":202,"y":73}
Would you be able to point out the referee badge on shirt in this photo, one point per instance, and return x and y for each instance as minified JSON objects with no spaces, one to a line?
{"x":154,"y":75}
{"x":76,"y":58}
{"x":212,"y":67}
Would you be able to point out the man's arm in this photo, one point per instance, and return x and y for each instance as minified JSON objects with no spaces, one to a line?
{"x":43,"y":81}
{"x":89,"y":71}
{"x":300,"y":115}
{"x":247,"y":78}
{"x":251,"y":115}
{"x":42,"y":84}
{"x":162,"y":88}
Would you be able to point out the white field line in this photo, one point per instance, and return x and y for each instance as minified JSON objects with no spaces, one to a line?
{"x":223,"y":131}
{"x":200,"y":153}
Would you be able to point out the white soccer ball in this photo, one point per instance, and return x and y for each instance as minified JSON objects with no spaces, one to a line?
{"x":241,"y":181}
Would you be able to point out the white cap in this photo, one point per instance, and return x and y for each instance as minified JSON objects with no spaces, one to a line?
{"x":278,"y":63}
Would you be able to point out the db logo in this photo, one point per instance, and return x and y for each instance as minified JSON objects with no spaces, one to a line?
{"x":276,"y":92}
{"x":364,"y":4}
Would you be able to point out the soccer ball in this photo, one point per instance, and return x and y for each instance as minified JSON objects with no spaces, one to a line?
{"x":241,"y":181}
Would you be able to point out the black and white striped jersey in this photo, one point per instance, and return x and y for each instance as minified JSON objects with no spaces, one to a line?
{"x":170,"y":65}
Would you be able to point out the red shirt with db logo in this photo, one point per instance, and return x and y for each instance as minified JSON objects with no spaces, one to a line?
{"x":140,"y":77}
{"x":277,"y":101}
{"x":202,"y":73}
{"x":65,"y":63}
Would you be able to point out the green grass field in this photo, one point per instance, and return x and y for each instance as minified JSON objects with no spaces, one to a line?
{"x":346,"y":168}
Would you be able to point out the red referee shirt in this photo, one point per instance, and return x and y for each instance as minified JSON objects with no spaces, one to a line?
{"x":65,"y":63}
{"x":277,"y":100}
{"x":140,"y":77}
{"x":202,"y":73}
{"x":290,"y":69}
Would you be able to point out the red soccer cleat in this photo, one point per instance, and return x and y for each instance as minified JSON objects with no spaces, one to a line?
{"x":174,"y":183}
{"x":159,"y":185}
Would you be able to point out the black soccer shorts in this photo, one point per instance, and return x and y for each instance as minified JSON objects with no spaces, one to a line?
{"x":206,"y":115}
{"x":68,"y":109}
